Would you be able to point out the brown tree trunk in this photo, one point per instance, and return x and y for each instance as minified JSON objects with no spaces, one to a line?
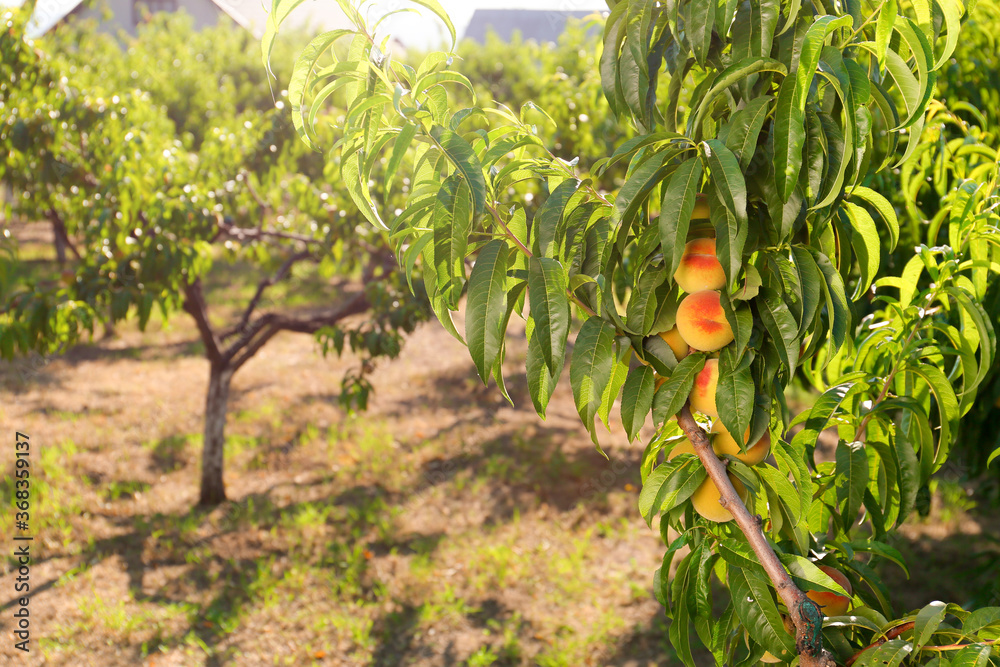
{"x":59,"y":240}
{"x":213,"y":490}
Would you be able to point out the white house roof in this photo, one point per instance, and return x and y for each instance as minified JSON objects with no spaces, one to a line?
{"x":251,"y":14}
{"x":47,"y":14}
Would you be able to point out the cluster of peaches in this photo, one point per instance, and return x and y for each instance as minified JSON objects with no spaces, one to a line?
{"x":701,"y":324}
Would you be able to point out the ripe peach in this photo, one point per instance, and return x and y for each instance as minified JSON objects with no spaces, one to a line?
{"x":706,"y":500}
{"x":703,"y":393}
{"x":682,"y":447}
{"x":676,"y":343}
{"x":702,"y":322}
{"x":725,"y":443}
{"x":830,"y":603}
{"x":700,"y":269}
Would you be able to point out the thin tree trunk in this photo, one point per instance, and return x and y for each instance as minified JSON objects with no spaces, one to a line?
{"x":213,"y":490}
{"x":60,"y":243}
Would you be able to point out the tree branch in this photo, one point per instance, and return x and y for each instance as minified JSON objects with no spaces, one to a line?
{"x":243,"y":233}
{"x":59,"y":227}
{"x":805,"y":614}
{"x":261,"y":287}
{"x":194,"y":304}
{"x":269,"y":325}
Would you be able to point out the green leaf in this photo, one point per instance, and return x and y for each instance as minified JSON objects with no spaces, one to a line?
{"x":357,"y":188}
{"x":881,"y":550}
{"x":399,"y":148}
{"x":892,"y":653}
{"x":541,"y":380}
{"x":977,"y":655}
{"x":745,"y":127}
{"x":789,"y":139}
{"x":735,"y":390}
{"x":866,"y":245}
{"x":637,"y":399}
{"x":927,"y":622}
{"x":751,"y":595}
{"x":826,"y":406}
{"x":952,"y":11}
{"x":670,"y":397}
{"x":680,"y":631}
{"x":733,"y":74}
{"x":439,"y":11}
{"x":753,"y":30}
{"x":884,"y":208}
{"x":590,"y":368}
{"x":784,"y":491}
{"x":669,"y":485}
{"x":727,"y":178}
{"x":883,"y":29}
{"x":700,"y":21}
{"x":781,"y":325}
{"x":676,"y":210}
{"x":487,"y":306}
{"x":923,"y":55}
{"x":619,"y":372}
{"x":636,"y":189}
{"x":549,"y":308}
{"x":812,"y":46}
{"x":851,"y":480}
{"x":546,"y":220}
{"x":452,"y":220}
{"x":303,"y":71}
{"x":280,"y":9}
{"x":807,"y":575}
{"x":809,"y":280}
{"x":836,"y":299}
{"x":461,"y":155}
{"x":662,"y":591}
{"x":979,"y":619}
{"x":641,"y":311}
{"x":992,"y":457}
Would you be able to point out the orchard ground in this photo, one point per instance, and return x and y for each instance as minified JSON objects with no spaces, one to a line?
{"x":442,"y":527}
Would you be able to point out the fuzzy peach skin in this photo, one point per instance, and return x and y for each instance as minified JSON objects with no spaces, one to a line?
{"x":703,"y":393}
{"x":699,"y":268}
{"x":832,"y":604}
{"x":682,"y":447}
{"x":724,"y":443}
{"x":676,"y":343}
{"x":706,"y":500}
{"x":702,"y":323}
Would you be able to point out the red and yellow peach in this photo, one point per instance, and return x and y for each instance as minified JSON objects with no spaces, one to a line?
{"x":702,"y":322}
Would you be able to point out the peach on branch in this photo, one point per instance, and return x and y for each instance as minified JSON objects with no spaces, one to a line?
{"x":703,"y":393}
{"x":699,"y":268}
{"x":701,"y":211}
{"x":682,"y":447}
{"x":702,"y":322}
{"x":706,"y":500}
{"x":676,"y":343}
{"x":724,"y":443}
{"x":832,"y":604}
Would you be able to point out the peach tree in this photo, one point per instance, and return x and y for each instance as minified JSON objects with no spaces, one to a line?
{"x":727,"y":264}
{"x":146,"y":209}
